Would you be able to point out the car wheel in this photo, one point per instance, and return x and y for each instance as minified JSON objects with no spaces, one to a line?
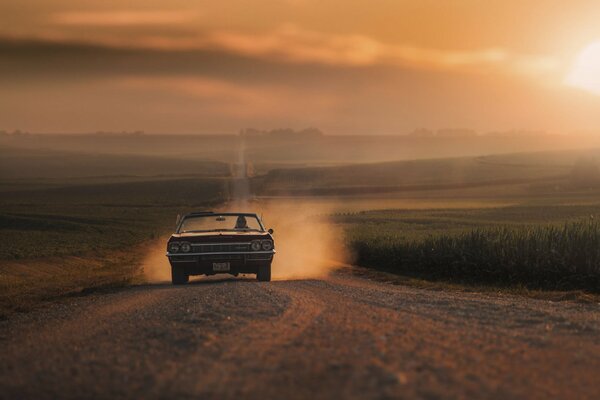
{"x":178,"y":276}
{"x":264,"y":273}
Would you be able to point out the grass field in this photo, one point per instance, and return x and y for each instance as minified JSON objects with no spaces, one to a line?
{"x":534,"y":235}
{"x":523,"y":219}
{"x":71,"y":222}
{"x":66,"y":239}
{"x":540,"y":246}
{"x":20,"y":164}
{"x":78,"y":219}
{"x":542,"y":169}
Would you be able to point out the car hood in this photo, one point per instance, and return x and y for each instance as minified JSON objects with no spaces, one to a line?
{"x":219,"y":237}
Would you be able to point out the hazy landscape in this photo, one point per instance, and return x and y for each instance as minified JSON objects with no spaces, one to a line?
{"x":81,"y":224}
{"x":429,"y":218}
{"x":299,"y":199}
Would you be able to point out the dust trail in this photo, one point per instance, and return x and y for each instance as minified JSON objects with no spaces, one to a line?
{"x":307,"y":244}
{"x":155,"y":266}
{"x":240,"y":184}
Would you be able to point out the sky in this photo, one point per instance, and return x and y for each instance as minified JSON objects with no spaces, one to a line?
{"x":344,"y":66}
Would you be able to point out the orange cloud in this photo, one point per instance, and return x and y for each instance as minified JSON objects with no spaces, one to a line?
{"x":230,"y":99}
{"x":291,"y":44}
{"x":296,"y":45}
{"x":122,"y":18}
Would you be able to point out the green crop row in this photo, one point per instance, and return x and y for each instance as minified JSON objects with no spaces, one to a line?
{"x":544,"y":256}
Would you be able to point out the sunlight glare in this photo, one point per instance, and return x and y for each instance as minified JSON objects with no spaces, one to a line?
{"x":585,"y":74}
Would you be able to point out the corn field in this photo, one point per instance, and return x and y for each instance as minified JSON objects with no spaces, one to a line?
{"x":564,"y":256}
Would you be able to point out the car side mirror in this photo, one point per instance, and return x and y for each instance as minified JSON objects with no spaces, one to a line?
{"x":270,"y":231}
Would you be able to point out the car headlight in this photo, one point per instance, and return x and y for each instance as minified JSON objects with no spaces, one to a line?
{"x":185,"y":247}
{"x":255,"y":245}
{"x":173,"y":247}
{"x":267,"y":245}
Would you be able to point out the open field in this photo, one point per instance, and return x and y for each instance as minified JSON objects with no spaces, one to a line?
{"x":71,"y":222}
{"x":299,"y":200}
{"x":65,"y":239}
{"x":535,"y":246}
{"x":91,"y":221}
{"x":20,"y":164}
{"x":297,"y":150}
{"x":83,"y":239}
{"x":548,"y":170}
{"x":524,"y":219}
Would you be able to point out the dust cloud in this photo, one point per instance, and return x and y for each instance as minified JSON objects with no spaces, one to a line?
{"x":241,"y":171}
{"x":308,"y":245}
{"x":155,"y":266}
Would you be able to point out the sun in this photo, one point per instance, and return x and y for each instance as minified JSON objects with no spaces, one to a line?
{"x":585,"y":73}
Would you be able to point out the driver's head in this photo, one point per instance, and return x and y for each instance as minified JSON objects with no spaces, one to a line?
{"x":241,"y":222}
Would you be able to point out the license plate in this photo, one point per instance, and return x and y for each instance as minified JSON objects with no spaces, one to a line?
{"x":221,"y":266}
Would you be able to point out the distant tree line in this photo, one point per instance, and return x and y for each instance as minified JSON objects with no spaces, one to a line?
{"x":282,"y":132}
{"x":16,"y":132}
{"x":132,"y":133}
{"x":463,"y":132}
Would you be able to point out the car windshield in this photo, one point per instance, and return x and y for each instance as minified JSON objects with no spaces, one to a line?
{"x":220,"y":223}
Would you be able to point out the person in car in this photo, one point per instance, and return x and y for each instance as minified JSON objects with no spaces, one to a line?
{"x":241,"y":223}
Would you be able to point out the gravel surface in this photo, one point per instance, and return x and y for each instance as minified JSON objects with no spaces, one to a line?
{"x":343,"y":337}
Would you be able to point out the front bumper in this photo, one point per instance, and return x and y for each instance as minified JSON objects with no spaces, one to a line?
{"x":240,"y":262}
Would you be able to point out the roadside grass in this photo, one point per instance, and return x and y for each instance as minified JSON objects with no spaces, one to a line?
{"x":74,"y":238}
{"x":25,"y":284}
{"x":547,"y":248}
{"x":71,"y":222}
{"x":393,"y":278}
{"x":90,"y":219}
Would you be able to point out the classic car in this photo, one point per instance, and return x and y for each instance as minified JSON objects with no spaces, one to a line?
{"x":208,"y":243}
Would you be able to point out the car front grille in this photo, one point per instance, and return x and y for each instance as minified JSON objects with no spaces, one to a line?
{"x":220,"y":248}
{"x":219,"y":257}
{"x":259,"y":256}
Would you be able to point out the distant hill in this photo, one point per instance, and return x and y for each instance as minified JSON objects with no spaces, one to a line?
{"x":421,"y":174}
{"x":20,"y":163}
{"x":303,"y":147}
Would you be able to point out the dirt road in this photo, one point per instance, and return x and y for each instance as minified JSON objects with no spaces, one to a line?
{"x":343,"y":337}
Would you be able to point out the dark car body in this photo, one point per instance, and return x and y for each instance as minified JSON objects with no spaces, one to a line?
{"x":220,"y":252}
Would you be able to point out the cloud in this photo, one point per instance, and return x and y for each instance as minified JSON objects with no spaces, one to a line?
{"x":292,"y":44}
{"x":296,"y":45}
{"x":289,"y":43}
{"x":122,"y":18}
{"x":233,"y":99}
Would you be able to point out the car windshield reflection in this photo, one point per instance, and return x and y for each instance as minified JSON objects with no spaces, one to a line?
{"x":221,"y":223}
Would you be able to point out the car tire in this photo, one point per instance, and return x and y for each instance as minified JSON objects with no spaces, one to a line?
{"x":178,"y":276}
{"x":264,"y":273}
